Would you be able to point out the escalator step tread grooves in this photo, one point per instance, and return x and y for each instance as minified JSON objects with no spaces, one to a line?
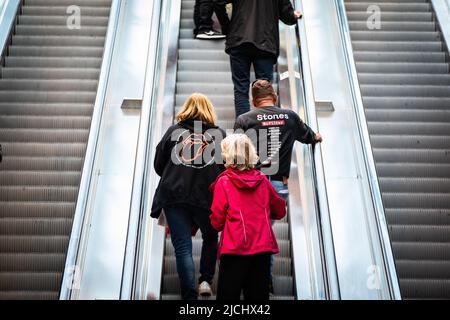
{"x":195,"y":57}
{"x":48,"y":87}
{"x":404,"y":73}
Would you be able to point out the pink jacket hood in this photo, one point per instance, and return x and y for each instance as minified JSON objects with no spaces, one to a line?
{"x":242,"y":179}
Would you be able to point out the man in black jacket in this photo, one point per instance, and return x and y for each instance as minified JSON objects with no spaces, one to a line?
{"x":253,"y":39}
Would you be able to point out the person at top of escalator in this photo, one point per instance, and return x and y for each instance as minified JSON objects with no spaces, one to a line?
{"x":274,"y":132}
{"x":203,"y":11}
{"x":244,"y":202}
{"x":253,"y":39}
{"x":186,"y":161}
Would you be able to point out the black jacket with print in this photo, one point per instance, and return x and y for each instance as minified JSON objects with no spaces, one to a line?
{"x":188,"y":159}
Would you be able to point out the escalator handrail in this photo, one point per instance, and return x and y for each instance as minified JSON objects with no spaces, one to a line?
{"x":77,"y":241}
{"x":8,"y":16}
{"x":380,"y":218}
{"x":331,"y":278}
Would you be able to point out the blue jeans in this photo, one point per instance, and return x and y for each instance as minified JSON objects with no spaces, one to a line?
{"x":281,"y":189}
{"x":283,"y":192}
{"x":241,"y":60}
{"x":180,"y":219}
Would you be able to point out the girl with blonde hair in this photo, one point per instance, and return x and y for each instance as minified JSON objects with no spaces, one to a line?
{"x":244,"y":203}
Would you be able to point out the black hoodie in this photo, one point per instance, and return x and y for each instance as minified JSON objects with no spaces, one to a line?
{"x":188,"y":159}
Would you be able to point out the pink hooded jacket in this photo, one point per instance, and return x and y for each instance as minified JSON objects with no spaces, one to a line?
{"x":243,"y":204}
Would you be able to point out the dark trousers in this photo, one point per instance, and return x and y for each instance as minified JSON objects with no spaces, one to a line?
{"x":203,"y":11}
{"x":249,"y":273}
{"x":180,"y":219}
{"x":241,"y":60}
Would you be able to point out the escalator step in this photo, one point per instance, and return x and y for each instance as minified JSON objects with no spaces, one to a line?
{"x":414,"y":170}
{"x":424,"y":103}
{"x":44,"y":163}
{"x":412,"y":155}
{"x":58,"y":9}
{"x":423,"y":269}
{"x":80,"y":41}
{"x":382,"y":56}
{"x":368,"y":35}
{"x":416,"y":200}
{"x":53,"y":62}
{"x":37,"y":210}
{"x":61,"y":20}
{"x":46,"y":109}
{"x":404,"y":67}
{"x":418,"y":216}
{"x":39,"y":178}
{"x":395,"y":25}
{"x":414,"y":185}
{"x":47,"y":97}
{"x":29,"y":281}
{"x":425,"y":288}
{"x":410,"y":6}
{"x":422,"y":250}
{"x":32,"y":262}
{"x":36,"y":244}
{"x":29,"y":295}
{"x":92,"y":31}
{"x":41,"y":51}
{"x":28,"y":149}
{"x":84,"y":3}
{"x":35,"y":227}
{"x":430,"y":46}
{"x":410,"y":141}
{"x":45,"y":122}
{"x":420,"y":233}
{"x":44,"y":135}
{"x":407,"y":115}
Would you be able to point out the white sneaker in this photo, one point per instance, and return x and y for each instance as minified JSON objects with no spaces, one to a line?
{"x":210,"y":35}
{"x":204,"y":289}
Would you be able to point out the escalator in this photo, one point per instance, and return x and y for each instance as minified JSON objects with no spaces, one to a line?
{"x":403,"y":71}
{"x":48,"y":87}
{"x":204,"y":67}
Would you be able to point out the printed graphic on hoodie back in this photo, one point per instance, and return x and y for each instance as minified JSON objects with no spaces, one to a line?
{"x":195,"y":150}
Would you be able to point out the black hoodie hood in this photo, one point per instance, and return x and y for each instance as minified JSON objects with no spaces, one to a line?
{"x":192,"y":124}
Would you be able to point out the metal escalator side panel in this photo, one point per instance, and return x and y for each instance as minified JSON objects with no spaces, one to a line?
{"x":145,"y":244}
{"x":46,"y":112}
{"x":312,"y":241}
{"x":8,"y":15}
{"x":78,"y":239}
{"x":381,"y":230}
{"x":412,"y":176}
{"x":442,"y":11}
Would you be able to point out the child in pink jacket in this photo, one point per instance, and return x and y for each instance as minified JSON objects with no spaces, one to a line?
{"x":243,"y":205}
